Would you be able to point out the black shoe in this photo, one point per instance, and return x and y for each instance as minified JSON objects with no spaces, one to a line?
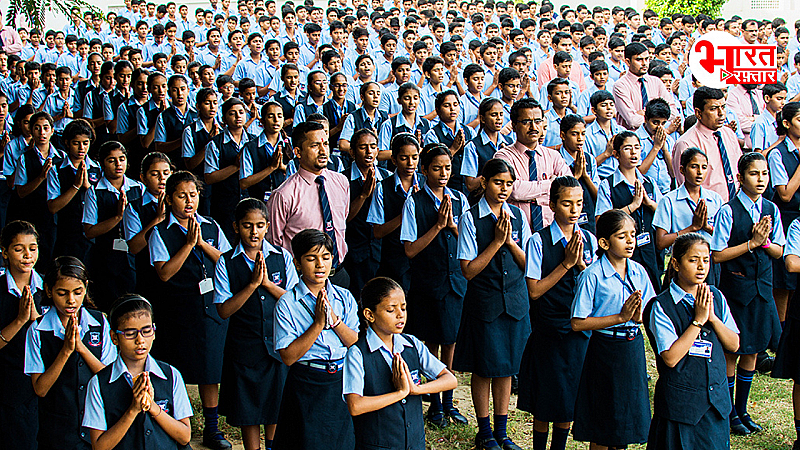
{"x":739,"y":429}
{"x":764,"y":362}
{"x":456,"y":416}
{"x":437,"y":418}
{"x":507,"y":443}
{"x":486,"y":444}
{"x":515,"y":385}
{"x":747,"y":421}
{"x":216,"y":441}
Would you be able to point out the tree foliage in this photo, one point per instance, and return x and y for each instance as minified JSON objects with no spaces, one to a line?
{"x":33,"y":11}
{"x":665,"y":8}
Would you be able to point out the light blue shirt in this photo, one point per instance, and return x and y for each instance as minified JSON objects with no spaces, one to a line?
{"x":21,"y":174}
{"x":222,"y":285}
{"x":604,"y":191}
{"x":676,"y":209}
{"x":469,"y":166}
{"x":131,"y":222}
{"x":382,"y":66}
{"x":349,"y":126}
{"x":161,"y":129}
{"x":427,"y":100}
{"x":54,"y":105}
{"x":408,"y":229}
{"x":158,"y":250}
{"x":212,"y":152}
{"x":584,"y":103}
{"x":294,"y":314}
{"x":792,"y":239}
{"x":534,"y":253}
{"x":246,"y":168}
{"x":591,"y":164}
{"x":388,"y":100}
{"x":90,"y":201}
{"x":430,"y":137}
{"x":354,"y":373}
{"x":469,"y":108}
{"x":602,"y":292}
{"x":596,"y":142}
{"x":14,"y":149}
{"x":658,"y":170}
{"x":777,"y":171}
{"x":124,"y":122}
{"x":300,"y":111}
{"x":248,"y":68}
{"x":187,"y":141}
{"x":552,"y":136}
{"x":94,"y":416}
{"x":54,"y":183}
{"x":764,"y":131}
{"x":724,"y":222}
{"x":88,"y":106}
{"x":387,"y":132}
{"x":467,"y":236}
{"x":375,"y":215}
{"x":793,"y":86}
{"x":544,"y":99}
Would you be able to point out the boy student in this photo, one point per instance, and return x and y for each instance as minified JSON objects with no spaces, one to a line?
{"x":383,"y":60}
{"x":509,"y":83}
{"x":657,"y":144}
{"x":364,"y":73}
{"x":764,"y":132}
{"x":60,"y":104}
{"x":433,"y":70}
{"x":401,"y":73}
{"x":471,"y":100}
{"x":287,"y":97}
{"x":616,"y":63}
{"x":598,"y":70}
{"x":599,"y":133}
{"x":248,"y":92}
{"x":560,"y":99}
{"x":562,"y":62}
{"x":263,"y":168}
{"x":171,"y":122}
{"x":315,"y":99}
{"x":337,"y":108}
{"x":792,"y":84}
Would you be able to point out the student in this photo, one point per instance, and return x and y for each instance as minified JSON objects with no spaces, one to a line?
{"x":657,"y":144}
{"x":263,"y":167}
{"x":495,"y":321}
{"x":315,"y":323}
{"x":386,"y":208}
{"x":196,"y":137}
{"x":104,"y":206}
{"x":222,"y":160}
{"x":248,"y":282}
{"x":67,"y":185}
{"x":96,"y":104}
{"x":598,"y":70}
{"x":61,"y":104}
{"x":382,"y":373}
{"x":289,"y":94}
{"x":747,"y":233}
{"x":183,"y":250}
{"x":764,"y":131}
{"x":147,"y":117}
{"x":553,"y":357}
{"x":173,"y":120}
{"x":690,"y":327}
{"x":64,"y":348}
{"x":480,"y":149}
{"x":508,"y":88}
{"x":560,"y":94}
{"x":612,"y":406}
{"x":128,"y":113}
{"x":582,"y":164}
{"x":408,"y":120}
{"x":338,"y":108}
{"x":599,"y":133}
{"x":401,"y":72}
{"x":473,"y":98}
{"x":136,"y":398}
{"x":562,"y":62}
{"x":636,"y":194}
{"x":367,"y":116}
{"x":432,"y":84}
{"x":315,"y":97}
{"x":452,"y":134}
{"x":20,"y":306}
{"x":429,"y":233}
{"x":21,"y":139}
{"x":247,"y":93}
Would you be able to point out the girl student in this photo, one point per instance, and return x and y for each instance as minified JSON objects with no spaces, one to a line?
{"x":184,"y":248}
{"x":196,"y":137}
{"x":636,"y":194}
{"x":746,"y":236}
{"x":689,"y":208}
{"x":136,"y":399}
{"x":263,"y":167}
{"x":429,"y":234}
{"x":67,"y":184}
{"x":64,"y":348}
{"x":553,"y":358}
{"x":383,"y":370}
{"x":315,"y":323}
{"x":690,"y":326}
{"x":248,"y":282}
{"x":386,"y":208}
{"x":494,"y":321}
{"x":451,"y":133}
{"x":104,"y":207}
{"x":612,"y":408}
{"x":20,"y":305}
{"x":407,"y":121}
{"x":482,"y":147}
{"x":21,"y":132}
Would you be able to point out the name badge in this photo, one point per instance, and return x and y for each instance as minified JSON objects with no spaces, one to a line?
{"x":206,"y":286}
{"x":583,"y":219}
{"x":120,"y":245}
{"x":642,"y":239}
{"x":701,"y":348}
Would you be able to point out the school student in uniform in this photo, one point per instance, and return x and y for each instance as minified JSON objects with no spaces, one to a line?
{"x":114,"y":271}
{"x":452,"y":134}
{"x":407,"y":120}
{"x":636,"y":194}
{"x":20,"y":305}
{"x":494,"y":322}
{"x":337,"y":108}
{"x":484,"y":145}
{"x":173,"y":120}
{"x":64,"y":348}
{"x":127,"y":116}
{"x":196,"y":137}
{"x":146,"y":117}
{"x":314,"y":324}
{"x":248,"y":281}
{"x":429,"y":233}
{"x":690,"y":327}
{"x":551,"y":368}
{"x":367,"y":116}
{"x":747,"y":235}
{"x":382,"y":373}
{"x":136,"y":400}
{"x":184,"y":248}
{"x":612,"y":407}
{"x":582,"y":164}
{"x":263,"y":165}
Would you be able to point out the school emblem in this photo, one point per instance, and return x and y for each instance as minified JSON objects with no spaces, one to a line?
{"x":164,"y":405}
{"x":587,"y":256}
{"x":276,"y":278}
{"x":94,"y":338}
{"x":455,"y":220}
{"x":415,"y":377}
{"x":329,"y":226}
{"x":210,"y":242}
{"x":94,"y":177}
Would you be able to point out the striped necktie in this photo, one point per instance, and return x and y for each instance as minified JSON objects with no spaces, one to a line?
{"x":327,"y":217}
{"x":537,"y":222}
{"x":726,"y":166}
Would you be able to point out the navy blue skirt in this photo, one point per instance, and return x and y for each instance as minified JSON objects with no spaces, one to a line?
{"x":491,"y":349}
{"x":758,"y":324}
{"x":787,"y":358}
{"x":551,"y":370}
{"x":711,"y":433}
{"x":782,"y":278}
{"x":20,"y":422}
{"x":251,"y":394}
{"x":613,"y":403}
{"x":434,"y":320}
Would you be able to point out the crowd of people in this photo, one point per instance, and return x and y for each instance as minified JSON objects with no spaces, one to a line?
{"x":327,"y":212}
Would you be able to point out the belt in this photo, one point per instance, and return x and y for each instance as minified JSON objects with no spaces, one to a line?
{"x":627,"y":333}
{"x":324,"y":366}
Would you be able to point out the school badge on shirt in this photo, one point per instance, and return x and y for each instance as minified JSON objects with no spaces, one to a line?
{"x":94,"y":338}
{"x":164,"y":405}
{"x":276,"y":278}
{"x":515,"y":236}
{"x":94,"y":177}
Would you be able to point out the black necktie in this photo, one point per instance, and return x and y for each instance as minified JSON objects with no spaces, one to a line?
{"x":753,"y":102}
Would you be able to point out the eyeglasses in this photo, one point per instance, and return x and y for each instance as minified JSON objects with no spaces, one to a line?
{"x":132,"y":333}
{"x":528,"y":122}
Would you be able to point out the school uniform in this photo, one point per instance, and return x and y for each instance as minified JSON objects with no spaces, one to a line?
{"x":747,"y":279}
{"x":617,"y":192}
{"x":477,"y":152}
{"x":111,"y":266}
{"x":553,"y":358}
{"x":334,"y":112}
{"x":253,"y":373}
{"x":437,"y":288}
{"x":19,"y":405}
{"x":787,"y":357}
{"x":60,"y":410}
{"x":312,"y":413}
{"x":222,"y":151}
{"x":443,"y":134}
{"x":359,"y":120}
{"x":596,"y":143}
{"x":612,"y":406}
{"x":70,"y":239}
{"x":257,"y":156}
{"x":658,"y":170}
{"x":288,"y":103}
{"x":138,"y":214}
{"x":368,"y":372}
{"x":195,"y":138}
{"x":494,"y":322}
{"x":184,"y":304}
{"x":144,"y":121}
{"x":170,"y":125}
{"x":387,"y":203}
{"x":97,"y":105}
{"x":470,"y":106}
{"x":109,"y":395}
{"x":691,"y":402}
{"x":587,"y":218}
{"x":399,"y":124}
{"x":783,"y":162}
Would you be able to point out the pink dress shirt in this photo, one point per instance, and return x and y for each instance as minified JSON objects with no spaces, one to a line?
{"x":739,"y":102}
{"x":294,"y":207}
{"x":703,"y":138}
{"x":628,"y":98}
{"x":12,"y":44}
{"x":549,"y":163}
{"x":547,"y":72}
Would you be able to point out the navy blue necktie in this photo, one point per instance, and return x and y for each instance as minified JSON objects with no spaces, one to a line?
{"x":726,"y":165}
{"x":644,"y":92}
{"x":753,"y":102}
{"x":327,"y":217}
{"x":537,"y":221}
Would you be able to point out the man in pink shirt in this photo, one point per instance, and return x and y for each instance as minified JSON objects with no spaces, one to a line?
{"x":546,"y":71}
{"x":532,"y":193}
{"x":634,"y":89}
{"x":10,"y":41}
{"x":717,"y":141}
{"x":314,"y":197}
{"x":747,"y":102}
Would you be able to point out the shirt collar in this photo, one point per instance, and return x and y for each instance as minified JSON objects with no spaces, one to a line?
{"x":51,"y":322}
{"x":228,"y":138}
{"x":403,"y":122}
{"x":679,"y":294}
{"x":749,"y":204}
{"x":484,"y":209}
{"x":127,"y":183}
{"x":148,"y":198}
{"x":266,"y":248}
{"x":374,"y":342}
{"x":90,"y":163}
{"x":485,"y":139}
{"x":36,"y":284}
{"x":355,"y":172}
{"x":619,"y":178}
{"x":608,"y":269}
{"x":119,"y":368}
{"x":397,"y":183}
{"x":556,"y":234}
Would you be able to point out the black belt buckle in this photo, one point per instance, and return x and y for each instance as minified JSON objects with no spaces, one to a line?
{"x":630,"y":334}
{"x":332,"y":367}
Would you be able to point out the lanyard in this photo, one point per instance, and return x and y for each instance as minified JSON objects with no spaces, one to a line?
{"x":626,"y":282}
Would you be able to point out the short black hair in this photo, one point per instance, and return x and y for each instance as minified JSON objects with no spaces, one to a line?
{"x":301,"y":129}
{"x":703,"y":94}
{"x":308,"y":240}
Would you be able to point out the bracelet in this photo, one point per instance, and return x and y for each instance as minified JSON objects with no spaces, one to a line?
{"x":767,"y":244}
{"x":338,"y":321}
{"x":697,"y":324}
{"x":77,"y":188}
{"x":3,"y":338}
{"x":565,"y":266}
{"x":748,"y":247}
